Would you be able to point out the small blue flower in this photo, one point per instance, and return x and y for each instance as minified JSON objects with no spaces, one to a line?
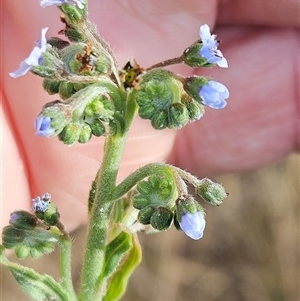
{"x":213,"y":94}
{"x":35,"y":58}
{"x":45,"y":3}
{"x":193,"y":224}
{"x":39,"y":205}
{"x":43,"y":127}
{"x":209,"y":49}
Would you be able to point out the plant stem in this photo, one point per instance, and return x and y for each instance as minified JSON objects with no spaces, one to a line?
{"x":173,"y":61}
{"x":65,"y":267}
{"x":138,"y":175}
{"x":99,"y":218}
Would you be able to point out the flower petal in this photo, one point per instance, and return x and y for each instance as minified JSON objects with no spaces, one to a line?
{"x":193,"y":224}
{"x":213,"y":94}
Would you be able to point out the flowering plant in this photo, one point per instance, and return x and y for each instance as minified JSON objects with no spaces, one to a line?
{"x":100,"y":99}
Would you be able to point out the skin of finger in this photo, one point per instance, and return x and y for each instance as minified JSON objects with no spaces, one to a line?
{"x":277,"y":13}
{"x":49,"y":165}
{"x":260,"y":124}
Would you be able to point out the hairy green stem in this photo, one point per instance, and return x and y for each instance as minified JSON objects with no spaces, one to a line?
{"x":99,"y":218}
{"x":137,"y":176}
{"x":65,"y":268}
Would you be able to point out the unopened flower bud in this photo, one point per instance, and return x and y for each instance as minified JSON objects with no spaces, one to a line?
{"x":11,"y":237}
{"x":206,"y":91}
{"x":145,"y":214}
{"x":75,"y":10}
{"x":190,"y":217}
{"x":211,"y":192}
{"x":66,"y":90}
{"x":45,"y":210}
{"x":195,"y":109}
{"x":23,"y":220}
{"x":97,"y":127}
{"x":161,"y":219}
{"x":178,"y":116}
{"x":51,"y":86}
{"x":71,"y":133}
{"x":85,"y":134}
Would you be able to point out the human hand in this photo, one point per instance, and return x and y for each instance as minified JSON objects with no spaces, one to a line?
{"x":259,"y":125}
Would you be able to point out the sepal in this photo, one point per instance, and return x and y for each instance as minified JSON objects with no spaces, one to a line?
{"x":192,"y":58}
{"x":75,"y":13}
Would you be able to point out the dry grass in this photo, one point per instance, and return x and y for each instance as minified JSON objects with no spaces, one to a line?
{"x":250,"y":250}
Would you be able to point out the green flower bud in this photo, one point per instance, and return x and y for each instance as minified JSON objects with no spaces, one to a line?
{"x":140,"y":202}
{"x":74,"y":13}
{"x":51,"y":86}
{"x":145,"y":214}
{"x":101,"y":108}
{"x":79,"y":86}
{"x":161,"y":219}
{"x":74,"y":35}
{"x":50,"y":216}
{"x":23,"y":220}
{"x":22,"y":251}
{"x":85,"y":134}
{"x":211,"y":192}
{"x":66,"y":90}
{"x":178,"y":116}
{"x":195,"y":109}
{"x":97,"y":127}
{"x":11,"y":237}
{"x":159,"y":120}
{"x":71,"y":133}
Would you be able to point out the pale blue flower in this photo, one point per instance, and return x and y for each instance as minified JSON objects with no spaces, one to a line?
{"x":209,"y":49}
{"x":193,"y":224}
{"x":43,"y":127}
{"x":213,"y":94}
{"x":45,"y":3}
{"x":35,"y":58}
{"x":39,"y":205}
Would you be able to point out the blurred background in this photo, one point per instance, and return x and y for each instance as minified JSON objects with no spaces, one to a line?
{"x":250,"y":248}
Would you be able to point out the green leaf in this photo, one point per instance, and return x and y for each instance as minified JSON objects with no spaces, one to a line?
{"x":38,"y":287}
{"x":114,"y":252}
{"x":118,"y":283}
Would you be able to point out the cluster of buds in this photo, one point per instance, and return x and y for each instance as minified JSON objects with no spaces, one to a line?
{"x":33,"y":234}
{"x":160,"y":204}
